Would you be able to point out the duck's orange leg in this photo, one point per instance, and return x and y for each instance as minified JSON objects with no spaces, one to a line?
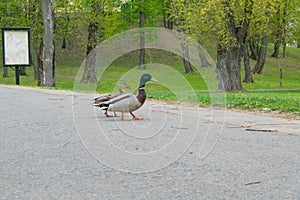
{"x":123,"y":118}
{"x":106,"y":114}
{"x":135,"y":117}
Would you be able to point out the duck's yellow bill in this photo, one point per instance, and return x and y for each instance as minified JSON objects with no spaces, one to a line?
{"x":153,"y":80}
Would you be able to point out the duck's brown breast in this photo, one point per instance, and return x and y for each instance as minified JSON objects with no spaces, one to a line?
{"x":141,"y":96}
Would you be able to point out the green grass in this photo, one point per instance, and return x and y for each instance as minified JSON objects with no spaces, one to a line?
{"x":175,"y":85}
{"x":285,"y":101}
{"x":270,"y":78}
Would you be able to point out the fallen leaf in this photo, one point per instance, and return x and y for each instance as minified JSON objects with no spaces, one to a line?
{"x":253,"y":183}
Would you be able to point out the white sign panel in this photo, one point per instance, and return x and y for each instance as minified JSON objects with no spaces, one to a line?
{"x":16,"y":47}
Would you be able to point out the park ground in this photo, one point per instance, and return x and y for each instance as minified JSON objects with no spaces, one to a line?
{"x":55,"y":145}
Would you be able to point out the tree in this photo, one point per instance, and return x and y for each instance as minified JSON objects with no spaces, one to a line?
{"x":104,"y":20}
{"x":262,"y":54}
{"x":232,"y":47}
{"x":248,"y":9}
{"x":12,"y":18}
{"x":180,"y":10}
{"x":23,"y":14}
{"x":278,"y":31}
{"x":95,"y":34}
{"x":63,"y":19}
{"x":292,"y":21}
{"x":142,"y":35}
{"x":167,"y":14}
{"x":203,"y":57}
{"x":248,"y":75}
{"x":5,"y":72}
{"x":47,"y":55}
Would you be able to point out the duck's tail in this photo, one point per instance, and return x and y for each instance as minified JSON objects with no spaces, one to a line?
{"x":102,"y":106}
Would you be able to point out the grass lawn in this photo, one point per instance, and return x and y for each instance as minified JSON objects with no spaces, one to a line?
{"x":265,"y":94}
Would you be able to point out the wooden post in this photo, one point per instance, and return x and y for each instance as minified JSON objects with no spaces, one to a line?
{"x":17,"y":69}
{"x":280,"y":77}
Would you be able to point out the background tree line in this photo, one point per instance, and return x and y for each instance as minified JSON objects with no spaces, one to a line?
{"x":239,"y":30}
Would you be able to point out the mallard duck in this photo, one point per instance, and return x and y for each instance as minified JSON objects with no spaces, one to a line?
{"x":107,"y":97}
{"x":128,"y":102}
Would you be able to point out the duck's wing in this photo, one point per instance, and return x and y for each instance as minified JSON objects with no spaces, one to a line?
{"x":122,"y":103}
{"x":126,"y":103}
{"x":105,"y":97}
{"x":119,"y":98}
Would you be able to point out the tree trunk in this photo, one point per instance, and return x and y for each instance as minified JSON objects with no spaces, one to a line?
{"x":40,"y":70}
{"x":48,"y":54}
{"x":142,"y":37}
{"x":66,"y":30}
{"x":36,"y":61}
{"x":166,"y":17}
{"x":186,"y":55}
{"x":228,"y":69}
{"x":90,"y":73}
{"x":248,"y":75}
{"x":22,"y":71}
{"x":94,"y":36}
{"x":275,"y":54}
{"x":229,"y":56}
{"x":278,"y":29}
{"x":203,"y":58}
{"x":283,"y":49}
{"x":254,"y":49}
{"x":64,"y":43}
{"x":258,"y":68}
{"x":5,"y":72}
{"x":183,"y":39}
{"x":298,"y":43}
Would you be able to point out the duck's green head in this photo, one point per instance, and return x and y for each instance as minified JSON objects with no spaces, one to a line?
{"x":145,"y":78}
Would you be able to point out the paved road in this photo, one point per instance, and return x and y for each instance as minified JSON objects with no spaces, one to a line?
{"x":55,"y":145}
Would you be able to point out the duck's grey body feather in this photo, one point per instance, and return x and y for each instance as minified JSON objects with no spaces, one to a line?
{"x":122,"y":103}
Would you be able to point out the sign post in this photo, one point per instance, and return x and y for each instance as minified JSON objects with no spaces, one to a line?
{"x":16,"y":48}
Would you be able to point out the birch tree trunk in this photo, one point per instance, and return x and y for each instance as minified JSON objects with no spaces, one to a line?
{"x":47,"y":58}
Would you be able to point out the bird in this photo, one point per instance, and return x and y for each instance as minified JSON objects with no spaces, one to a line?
{"x":128,"y":102}
{"x":107,"y":97}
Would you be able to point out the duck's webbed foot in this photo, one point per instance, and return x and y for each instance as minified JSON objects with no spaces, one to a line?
{"x":135,"y":117}
{"x":106,"y":114}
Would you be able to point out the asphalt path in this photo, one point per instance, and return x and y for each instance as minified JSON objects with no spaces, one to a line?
{"x":56,"y":145}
